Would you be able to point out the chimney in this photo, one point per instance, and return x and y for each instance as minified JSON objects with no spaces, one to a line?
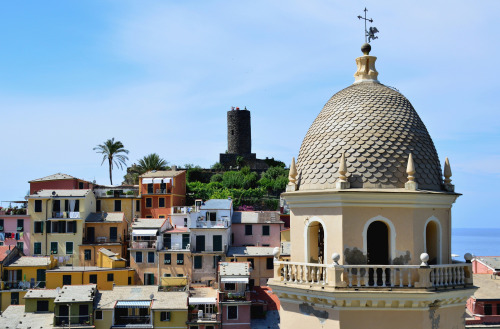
{"x":174,"y":168}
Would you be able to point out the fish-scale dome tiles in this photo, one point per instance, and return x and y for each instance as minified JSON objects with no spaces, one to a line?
{"x":377,"y":128}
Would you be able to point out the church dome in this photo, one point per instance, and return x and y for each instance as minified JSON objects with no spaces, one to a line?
{"x":377,"y":128}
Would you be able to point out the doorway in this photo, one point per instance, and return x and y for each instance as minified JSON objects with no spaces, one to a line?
{"x":316,"y":243}
{"x":378,"y":252}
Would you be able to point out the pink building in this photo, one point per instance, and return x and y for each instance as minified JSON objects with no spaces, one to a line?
{"x":15,"y":231}
{"x":483,"y":307}
{"x":234,"y":295}
{"x":256,"y":228}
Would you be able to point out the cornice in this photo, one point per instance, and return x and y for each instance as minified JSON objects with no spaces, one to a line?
{"x":394,"y":198}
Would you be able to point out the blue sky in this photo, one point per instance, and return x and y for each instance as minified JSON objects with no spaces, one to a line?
{"x":160,"y":76}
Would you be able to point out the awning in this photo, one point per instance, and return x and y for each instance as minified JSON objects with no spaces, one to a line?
{"x":133,"y":304}
{"x":167,"y":180}
{"x":157,"y":180}
{"x":144,"y":232}
{"x":234,"y":280}
{"x":147,"y":181}
{"x":201,"y":300}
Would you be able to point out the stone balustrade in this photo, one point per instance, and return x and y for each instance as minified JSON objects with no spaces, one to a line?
{"x":372,"y":276}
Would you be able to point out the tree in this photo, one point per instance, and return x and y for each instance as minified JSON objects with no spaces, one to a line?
{"x":152,"y":162}
{"x":114,"y":152}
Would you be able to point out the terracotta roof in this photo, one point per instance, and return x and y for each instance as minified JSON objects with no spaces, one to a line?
{"x":377,"y":128}
{"x":4,"y":251}
{"x":162,"y":173}
{"x":57,"y":176}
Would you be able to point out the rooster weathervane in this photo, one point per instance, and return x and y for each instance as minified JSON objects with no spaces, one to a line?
{"x":370,"y":33}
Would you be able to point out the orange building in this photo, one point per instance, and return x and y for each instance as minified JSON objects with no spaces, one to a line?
{"x":160,"y":191}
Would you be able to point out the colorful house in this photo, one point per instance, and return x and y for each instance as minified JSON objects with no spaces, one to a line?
{"x":59,"y":181}
{"x":141,"y":306}
{"x":27,"y":272}
{"x":256,"y":228}
{"x":57,"y":222}
{"x":160,"y":191}
{"x":204,"y":312}
{"x":15,"y":231}
{"x":260,"y":259}
{"x":103,"y":230}
{"x":74,"y":305}
{"x":175,"y":257}
{"x":234,"y":298}
{"x":124,"y":199}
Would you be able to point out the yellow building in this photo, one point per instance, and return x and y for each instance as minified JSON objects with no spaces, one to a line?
{"x":10,"y":297}
{"x":141,"y":304}
{"x":370,"y":219}
{"x":112,"y":271}
{"x":103,"y":230}
{"x":119,"y":199}
{"x":27,"y":272}
{"x":260,"y":259}
{"x":57,"y":222}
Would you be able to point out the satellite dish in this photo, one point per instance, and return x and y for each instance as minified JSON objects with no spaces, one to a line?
{"x":53,"y":192}
{"x":151,"y":296}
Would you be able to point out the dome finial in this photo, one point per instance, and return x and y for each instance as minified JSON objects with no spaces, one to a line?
{"x":292,"y":177}
{"x":410,"y":170}
{"x":448,"y":186}
{"x":342,"y":183}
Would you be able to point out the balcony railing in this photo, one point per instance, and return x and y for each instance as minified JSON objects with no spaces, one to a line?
{"x":64,"y":321}
{"x":132,"y":319}
{"x":364,"y":276}
{"x":203,"y":317}
{"x":212,"y":224}
{"x":102,"y":240}
{"x":66,"y":214}
{"x":144,"y":244}
{"x":236,"y":296}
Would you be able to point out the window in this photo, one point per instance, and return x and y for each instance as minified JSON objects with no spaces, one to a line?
{"x":498,"y":309}
{"x":69,"y":248}
{"x":98,"y":205}
{"x":185,"y":241}
{"x":111,"y":277}
{"x":66,"y":205}
{"x":217,"y":242}
{"x":200,"y":243}
{"x":20,"y":225}
{"x":84,"y":310}
{"x":53,"y":247}
{"x":118,"y":205}
{"x":38,"y":205}
{"x":185,"y":222}
{"x":251,"y":260}
{"x":14,"y":298}
{"x":71,"y":227}
{"x":229,"y":286}
{"x":149,"y":216}
{"x":98,"y":315}
{"x":198,"y":260}
{"x":77,"y":205}
{"x":167,"y":275}
{"x":161,"y":202}
{"x":151,"y":256}
{"x":37,"y":248}
{"x":488,"y":310}
{"x":167,"y":259}
{"x":232,"y":312}
{"x":56,"y":205}
{"x":138,"y":256}
{"x":211,"y":216}
{"x":248,"y":229}
{"x":129,"y":281}
{"x":265,"y":230}
{"x":149,"y":202}
{"x":113,"y":233}
{"x":180,"y":275}
{"x":1,"y":225}
{"x":20,"y":246}
{"x":150,"y":188}
{"x":149,"y":279}
{"x":93,"y":278}
{"x":269,"y":263}
{"x":38,"y":226}
{"x":165,"y":316}
{"x":137,"y":205}
{"x":180,"y":259}
{"x":216,"y":261}
{"x":66,"y":280}
{"x":161,"y":216}
{"x":87,"y":254}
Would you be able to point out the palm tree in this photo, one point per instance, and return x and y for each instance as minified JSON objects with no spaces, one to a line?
{"x":113,"y":152}
{"x":152,"y":162}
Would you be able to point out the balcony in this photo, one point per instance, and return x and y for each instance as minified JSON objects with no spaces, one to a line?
{"x":178,"y":246}
{"x":6,"y":285}
{"x":147,"y":244}
{"x":201,"y":317}
{"x":374,"y":276}
{"x":75,"y":321}
{"x":116,"y":193}
{"x":124,"y":321}
{"x":181,"y":210}
{"x":224,"y":223}
{"x":66,"y":214}
{"x":102,"y":240}
{"x":236,"y":296}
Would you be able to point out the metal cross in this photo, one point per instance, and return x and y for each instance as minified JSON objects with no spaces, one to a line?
{"x":366,"y":19}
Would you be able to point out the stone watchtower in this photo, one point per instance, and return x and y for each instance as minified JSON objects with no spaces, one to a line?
{"x":239,"y":141}
{"x":239,"y":132}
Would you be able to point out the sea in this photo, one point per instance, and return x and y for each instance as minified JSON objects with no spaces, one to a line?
{"x":477,"y":241}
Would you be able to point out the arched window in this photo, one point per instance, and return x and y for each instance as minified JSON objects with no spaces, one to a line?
{"x":315,"y":238}
{"x":432,"y":238}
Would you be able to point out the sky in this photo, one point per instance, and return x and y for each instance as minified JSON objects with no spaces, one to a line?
{"x":161,"y":75}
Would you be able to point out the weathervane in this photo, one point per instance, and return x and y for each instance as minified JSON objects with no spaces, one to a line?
{"x":370,"y":33}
